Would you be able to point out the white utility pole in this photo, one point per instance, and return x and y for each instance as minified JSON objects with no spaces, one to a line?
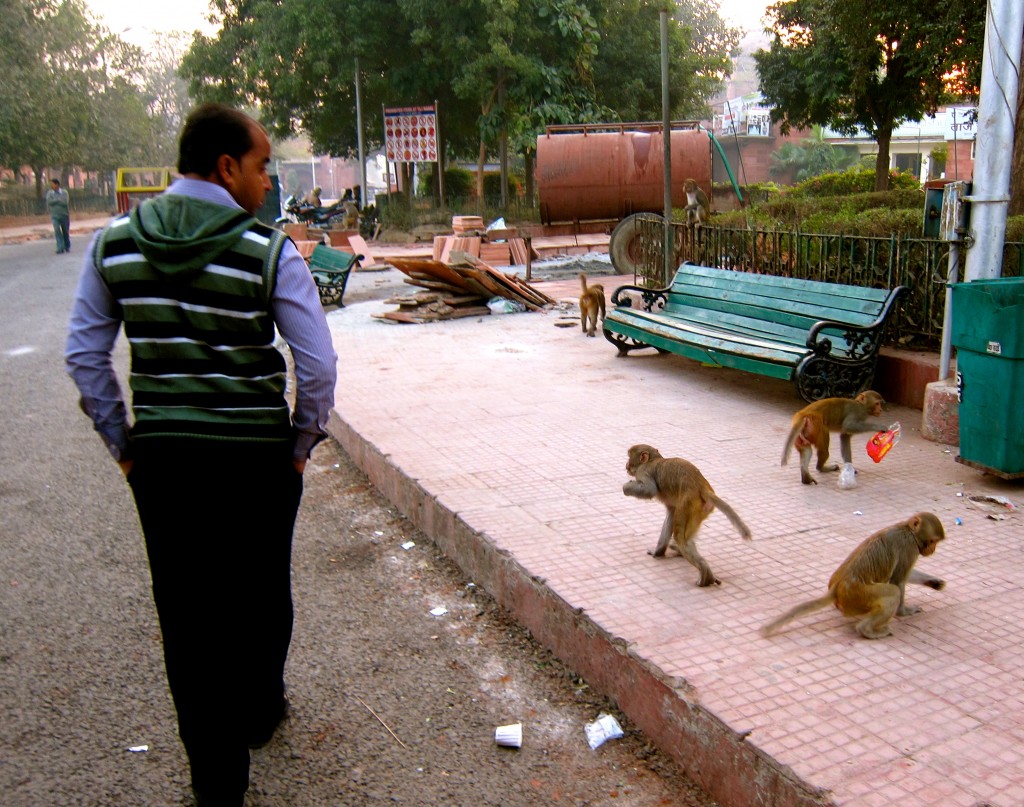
{"x":997,"y":109}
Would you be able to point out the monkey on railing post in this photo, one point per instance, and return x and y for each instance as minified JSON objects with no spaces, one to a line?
{"x":688,"y":500}
{"x":871,"y":582}
{"x":812,"y":427}
{"x":698,"y":207}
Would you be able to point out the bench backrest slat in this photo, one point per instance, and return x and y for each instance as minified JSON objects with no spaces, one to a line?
{"x":794,"y":303}
{"x":324,"y":257}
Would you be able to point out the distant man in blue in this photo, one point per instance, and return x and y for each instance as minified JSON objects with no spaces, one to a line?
{"x":60,"y":215}
{"x":214,"y":457}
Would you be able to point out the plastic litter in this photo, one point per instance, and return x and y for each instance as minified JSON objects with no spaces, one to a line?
{"x":510,"y":736}
{"x":502,"y":305}
{"x":998,"y":508}
{"x":606,"y":727}
{"x":847,"y":477}
{"x":883,"y":442}
{"x":439,"y":611}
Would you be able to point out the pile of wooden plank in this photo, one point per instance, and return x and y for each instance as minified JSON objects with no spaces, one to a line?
{"x":467,"y":225}
{"x":457,"y":289}
{"x":503,"y":253}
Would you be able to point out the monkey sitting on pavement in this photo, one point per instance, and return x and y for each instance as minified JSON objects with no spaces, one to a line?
{"x":871,"y":582}
{"x":812,"y":425}
{"x":591,"y":303}
{"x":688,"y":500}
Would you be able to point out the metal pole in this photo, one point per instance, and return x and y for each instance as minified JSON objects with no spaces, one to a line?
{"x":440,"y":154}
{"x":359,"y":141}
{"x":946,"y":347}
{"x":997,"y":106}
{"x":666,"y":137}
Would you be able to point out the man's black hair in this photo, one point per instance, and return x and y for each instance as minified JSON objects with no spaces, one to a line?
{"x":55,"y":181}
{"x":210,"y":131}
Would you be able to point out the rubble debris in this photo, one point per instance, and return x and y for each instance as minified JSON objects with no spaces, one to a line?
{"x":460,"y":288}
{"x":998,"y":508}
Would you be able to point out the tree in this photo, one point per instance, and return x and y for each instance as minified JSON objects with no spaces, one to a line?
{"x":814,"y":155}
{"x":863,"y":63}
{"x":68,"y":96}
{"x":166,"y":95}
{"x":295,"y":62}
{"x":627,"y":67}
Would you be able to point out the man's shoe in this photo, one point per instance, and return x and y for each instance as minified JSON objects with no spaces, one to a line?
{"x":261,"y":737}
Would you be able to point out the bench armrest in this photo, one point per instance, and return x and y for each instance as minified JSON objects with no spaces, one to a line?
{"x":862,"y":340}
{"x":653,"y":299}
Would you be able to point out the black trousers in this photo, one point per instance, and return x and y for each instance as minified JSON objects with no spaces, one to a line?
{"x":218,"y":520}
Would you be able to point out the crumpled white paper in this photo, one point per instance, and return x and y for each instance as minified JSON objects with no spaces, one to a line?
{"x":606,"y":727}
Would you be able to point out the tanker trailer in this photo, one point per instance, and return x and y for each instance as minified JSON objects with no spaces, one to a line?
{"x":612,"y":172}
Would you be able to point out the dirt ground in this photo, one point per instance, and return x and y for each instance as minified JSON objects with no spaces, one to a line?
{"x":413,"y":699}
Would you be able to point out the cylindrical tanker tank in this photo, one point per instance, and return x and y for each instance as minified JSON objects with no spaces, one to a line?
{"x":603,"y":172}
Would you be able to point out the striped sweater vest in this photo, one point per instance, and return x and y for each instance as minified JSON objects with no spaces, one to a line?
{"x":203,"y":361}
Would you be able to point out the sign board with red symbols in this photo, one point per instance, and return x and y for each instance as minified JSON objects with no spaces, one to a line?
{"x":410,"y":134}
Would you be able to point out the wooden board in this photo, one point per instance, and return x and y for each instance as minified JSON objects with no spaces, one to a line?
{"x":362,"y":248}
{"x":425,"y":266}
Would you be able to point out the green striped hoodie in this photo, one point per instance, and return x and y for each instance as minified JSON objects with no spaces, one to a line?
{"x":194,"y":280}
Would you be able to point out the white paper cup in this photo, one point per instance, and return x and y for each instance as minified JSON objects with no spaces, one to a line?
{"x":511,"y":735}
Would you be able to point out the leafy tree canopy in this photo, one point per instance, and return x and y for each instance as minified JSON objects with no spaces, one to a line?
{"x":70,"y":94}
{"x":494,"y":66}
{"x":869,"y":64}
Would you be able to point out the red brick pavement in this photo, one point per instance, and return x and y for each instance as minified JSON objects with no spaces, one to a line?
{"x":505,"y":439}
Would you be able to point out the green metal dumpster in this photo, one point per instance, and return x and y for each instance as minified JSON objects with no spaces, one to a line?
{"x":988,"y":333}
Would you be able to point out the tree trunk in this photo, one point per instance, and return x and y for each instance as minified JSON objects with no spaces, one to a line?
{"x":481,"y":160}
{"x":1017,"y":166}
{"x":884,"y":138}
{"x":528,"y":168}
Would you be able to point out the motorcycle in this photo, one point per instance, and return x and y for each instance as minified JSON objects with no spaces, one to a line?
{"x":296,"y":210}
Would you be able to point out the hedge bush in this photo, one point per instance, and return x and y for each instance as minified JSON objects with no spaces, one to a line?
{"x":854,"y":180}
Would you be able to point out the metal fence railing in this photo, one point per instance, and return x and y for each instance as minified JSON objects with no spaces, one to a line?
{"x":920,"y":264}
{"x":398,"y":212}
{"x":20,"y":206}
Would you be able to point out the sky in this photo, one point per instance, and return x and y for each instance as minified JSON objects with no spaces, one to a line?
{"x":141,"y":21}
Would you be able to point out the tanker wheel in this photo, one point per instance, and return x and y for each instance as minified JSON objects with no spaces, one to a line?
{"x":626,"y":247}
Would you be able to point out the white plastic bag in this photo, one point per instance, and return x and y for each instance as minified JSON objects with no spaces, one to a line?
{"x":847,"y":477}
{"x":502,"y":305}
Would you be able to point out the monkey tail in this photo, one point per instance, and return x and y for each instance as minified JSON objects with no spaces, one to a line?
{"x":790,"y":440}
{"x":799,"y":611}
{"x":583,"y":282}
{"x":737,"y":522}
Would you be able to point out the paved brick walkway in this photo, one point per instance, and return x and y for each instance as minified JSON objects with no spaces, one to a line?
{"x":505,"y":439}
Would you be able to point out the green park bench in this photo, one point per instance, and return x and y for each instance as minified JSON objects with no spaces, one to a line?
{"x":330,"y":269}
{"x":824,"y":337}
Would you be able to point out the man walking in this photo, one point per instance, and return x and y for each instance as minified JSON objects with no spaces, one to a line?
{"x":214,"y":458}
{"x":60,"y":215}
